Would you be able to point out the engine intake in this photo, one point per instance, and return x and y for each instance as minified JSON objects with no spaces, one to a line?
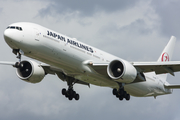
{"x":121,"y":71}
{"x":30,"y":71}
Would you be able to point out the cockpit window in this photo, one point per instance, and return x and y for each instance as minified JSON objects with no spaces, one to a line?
{"x":17,"y":28}
{"x":14,"y":27}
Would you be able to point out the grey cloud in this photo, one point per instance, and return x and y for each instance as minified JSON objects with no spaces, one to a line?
{"x":86,"y":8}
{"x":168,"y":11}
{"x":1,"y":10}
{"x":139,"y":26}
{"x":123,"y":37}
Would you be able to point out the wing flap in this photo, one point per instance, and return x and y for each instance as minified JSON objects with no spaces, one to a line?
{"x":100,"y":68}
{"x":50,"y":69}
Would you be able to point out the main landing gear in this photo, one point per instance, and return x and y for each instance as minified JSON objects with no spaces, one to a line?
{"x":70,"y":93}
{"x":121,"y":94}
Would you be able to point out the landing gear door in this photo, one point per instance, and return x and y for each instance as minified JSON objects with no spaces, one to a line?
{"x":36,"y":34}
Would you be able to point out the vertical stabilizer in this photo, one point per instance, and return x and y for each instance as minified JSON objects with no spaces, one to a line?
{"x":166,"y":54}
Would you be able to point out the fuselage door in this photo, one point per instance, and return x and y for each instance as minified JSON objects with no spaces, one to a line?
{"x":36,"y":34}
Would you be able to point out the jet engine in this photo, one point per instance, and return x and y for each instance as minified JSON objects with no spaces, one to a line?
{"x":30,"y":71}
{"x":121,"y":71}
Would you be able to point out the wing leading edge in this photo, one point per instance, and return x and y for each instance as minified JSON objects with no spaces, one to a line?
{"x":157,"y":67}
{"x":48,"y":70}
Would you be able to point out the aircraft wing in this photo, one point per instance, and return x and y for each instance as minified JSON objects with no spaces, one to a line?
{"x":7,"y":63}
{"x":158,"y":67}
{"x":47,"y":68}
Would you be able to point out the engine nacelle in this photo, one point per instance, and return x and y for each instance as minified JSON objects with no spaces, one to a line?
{"x":30,"y":71}
{"x":121,"y":71}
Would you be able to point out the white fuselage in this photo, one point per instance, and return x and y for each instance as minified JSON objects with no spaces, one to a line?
{"x":70,"y":56}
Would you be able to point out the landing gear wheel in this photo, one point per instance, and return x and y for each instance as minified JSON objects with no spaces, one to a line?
{"x":124,"y":94}
{"x":117,"y":95}
{"x":66,"y":95}
{"x":76,"y":97}
{"x":121,"y":97}
{"x":70,"y":97}
{"x":127,"y":97}
{"x":114,"y":91}
{"x":64,"y":91}
{"x":121,"y":94}
{"x":74,"y":94}
{"x":70,"y":94}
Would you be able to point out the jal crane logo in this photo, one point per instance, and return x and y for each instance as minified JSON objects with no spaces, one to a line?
{"x":165,"y":57}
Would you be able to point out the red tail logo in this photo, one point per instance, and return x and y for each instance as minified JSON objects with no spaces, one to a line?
{"x":165,"y":57}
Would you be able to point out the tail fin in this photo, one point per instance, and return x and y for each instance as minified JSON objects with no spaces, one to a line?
{"x":166,"y":54}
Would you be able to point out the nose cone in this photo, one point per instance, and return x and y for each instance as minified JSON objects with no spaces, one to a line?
{"x":7,"y":34}
{"x":11,"y":38}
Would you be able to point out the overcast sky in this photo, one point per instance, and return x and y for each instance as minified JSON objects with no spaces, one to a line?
{"x":133,"y":30}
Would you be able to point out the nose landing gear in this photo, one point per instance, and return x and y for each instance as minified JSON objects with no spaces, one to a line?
{"x":18,"y":53}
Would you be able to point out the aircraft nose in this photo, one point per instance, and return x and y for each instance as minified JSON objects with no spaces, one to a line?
{"x":8,"y":35}
{"x":12,"y":38}
{"x":11,"y":35}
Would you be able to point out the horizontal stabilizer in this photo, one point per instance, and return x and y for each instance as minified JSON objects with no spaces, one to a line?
{"x":172,"y":86}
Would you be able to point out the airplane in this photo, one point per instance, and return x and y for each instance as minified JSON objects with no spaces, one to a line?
{"x":75,"y":62}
